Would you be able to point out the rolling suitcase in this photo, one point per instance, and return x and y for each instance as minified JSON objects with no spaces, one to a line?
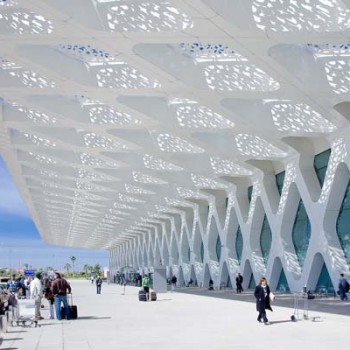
{"x":142,"y":295}
{"x":153,"y":296}
{"x":73,"y":309}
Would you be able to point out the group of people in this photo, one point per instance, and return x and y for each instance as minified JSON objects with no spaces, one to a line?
{"x":54,"y":289}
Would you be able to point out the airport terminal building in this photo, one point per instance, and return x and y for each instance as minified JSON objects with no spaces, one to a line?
{"x":207,"y":137}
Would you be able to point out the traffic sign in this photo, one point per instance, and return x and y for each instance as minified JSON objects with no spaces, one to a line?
{"x":29,"y":273}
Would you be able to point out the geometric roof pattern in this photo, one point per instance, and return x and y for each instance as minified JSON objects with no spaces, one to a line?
{"x":116,"y":113}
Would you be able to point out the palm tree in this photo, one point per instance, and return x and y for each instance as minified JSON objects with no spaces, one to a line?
{"x":73,"y":258}
{"x":86,"y":268}
{"x":67,"y":267}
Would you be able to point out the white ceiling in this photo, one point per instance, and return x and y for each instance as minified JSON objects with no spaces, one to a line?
{"x":115,"y":113}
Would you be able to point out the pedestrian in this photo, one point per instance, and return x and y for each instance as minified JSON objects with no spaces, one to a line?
{"x":21,"y":288}
{"x":92,"y":279}
{"x":173,"y":282}
{"x":343,"y":287}
{"x":98,"y":284}
{"x":262,"y":295}
{"x":239,"y":281}
{"x":12,"y":284}
{"x":145,"y":284}
{"x":36,"y":293}
{"x":139,"y":280}
{"x":60,"y":288}
{"x":48,"y":294}
{"x":211,"y":284}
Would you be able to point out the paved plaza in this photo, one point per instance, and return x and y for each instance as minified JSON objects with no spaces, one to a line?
{"x":176,"y":321}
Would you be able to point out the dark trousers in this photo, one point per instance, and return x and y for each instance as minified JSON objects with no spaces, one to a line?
{"x":146,"y":289}
{"x":262,"y":315}
{"x":98,"y":289}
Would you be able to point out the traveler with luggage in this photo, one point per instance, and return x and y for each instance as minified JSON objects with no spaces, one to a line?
{"x":60,"y":288}
{"x":145,"y":285}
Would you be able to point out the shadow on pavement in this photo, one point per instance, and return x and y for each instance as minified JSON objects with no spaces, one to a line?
{"x":93,"y":318}
{"x":9,"y":332}
{"x":277,"y":322}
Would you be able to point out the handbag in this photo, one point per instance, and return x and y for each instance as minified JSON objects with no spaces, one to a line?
{"x":272,"y":296}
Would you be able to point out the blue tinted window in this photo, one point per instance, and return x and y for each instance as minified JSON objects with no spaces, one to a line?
{"x":301,"y":233}
{"x":324,"y":283}
{"x":218,"y":248}
{"x":265,"y":240}
{"x":202,"y":252}
{"x":320,"y":165}
{"x":343,"y":224}
{"x":280,"y":180}
{"x":250,"y":191}
{"x":282,"y":285}
{"x":252,"y":283}
{"x":239,"y":244}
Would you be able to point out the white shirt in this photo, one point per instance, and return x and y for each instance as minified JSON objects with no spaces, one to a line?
{"x":36,"y":288}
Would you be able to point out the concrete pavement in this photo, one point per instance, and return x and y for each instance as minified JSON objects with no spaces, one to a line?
{"x":112,"y":320}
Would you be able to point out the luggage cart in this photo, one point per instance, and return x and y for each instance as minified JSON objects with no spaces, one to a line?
{"x":24,"y":312}
{"x":301,"y":307}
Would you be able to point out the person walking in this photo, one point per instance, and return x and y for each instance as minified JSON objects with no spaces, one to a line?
{"x":98,"y":284}
{"x":262,"y":295}
{"x":48,"y":294}
{"x":173,"y":282}
{"x":145,"y":285}
{"x":343,"y":287}
{"x":92,"y":279}
{"x":36,"y":293}
{"x":239,"y":281}
{"x":60,"y":288}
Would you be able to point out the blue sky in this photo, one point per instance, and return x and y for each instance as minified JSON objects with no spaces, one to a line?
{"x":20,"y":242}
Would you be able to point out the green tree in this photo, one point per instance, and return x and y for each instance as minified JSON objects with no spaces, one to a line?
{"x":73,"y":259}
{"x":67,"y":267}
{"x":97,"y":269}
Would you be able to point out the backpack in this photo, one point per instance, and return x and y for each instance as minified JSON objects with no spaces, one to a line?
{"x":347,"y":287}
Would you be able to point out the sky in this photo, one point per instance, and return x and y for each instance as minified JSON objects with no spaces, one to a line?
{"x":20,"y":241}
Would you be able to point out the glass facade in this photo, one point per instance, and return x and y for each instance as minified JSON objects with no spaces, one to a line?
{"x":265,"y":240}
{"x":218,"y":248}
{"x":320,"y":165}
{"x":324,"y":284}
{"x":239,"y":244}
{"x":301,"y":233}
{"x":282,"y":285}
{"x":252,"y":283}
{"x":229,"y":284}
{"x":250,"y":191}
{"x":202,"y":252}
{"x":343,"y":224}
{"x":280,"y":180}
